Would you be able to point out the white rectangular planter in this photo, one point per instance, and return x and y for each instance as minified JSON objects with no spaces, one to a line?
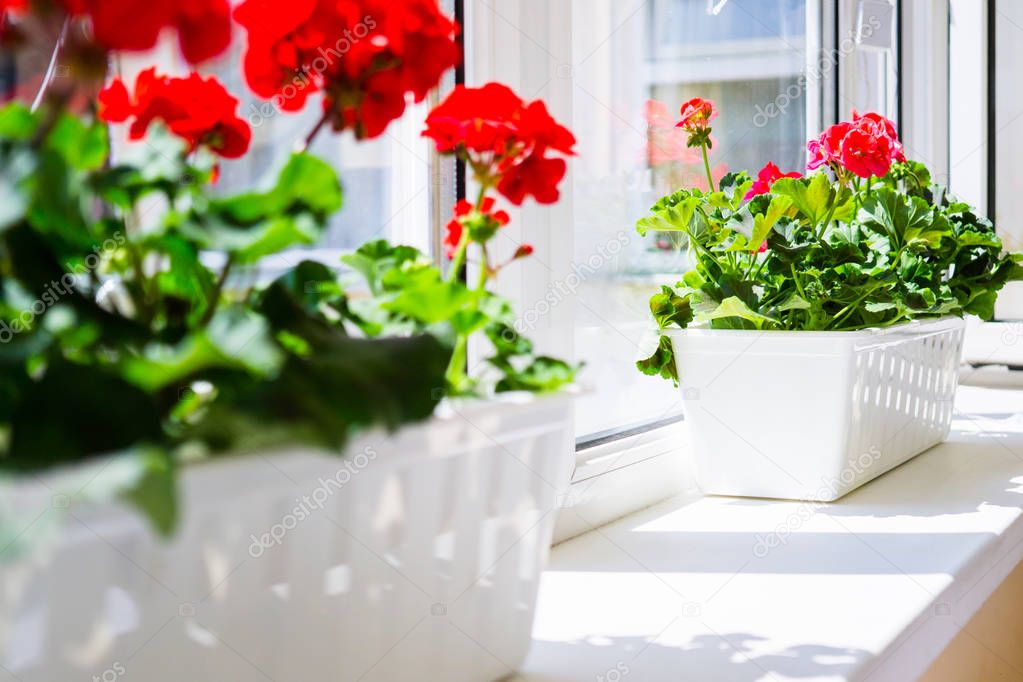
{"x":415,"y":556}
{"x":814,"y":415}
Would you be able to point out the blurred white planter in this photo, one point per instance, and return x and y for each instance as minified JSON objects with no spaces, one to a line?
{"x":416,"y":556}
{"x":814,"y":415}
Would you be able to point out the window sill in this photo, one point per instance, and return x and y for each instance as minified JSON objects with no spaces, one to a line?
{"x":873,"y":587}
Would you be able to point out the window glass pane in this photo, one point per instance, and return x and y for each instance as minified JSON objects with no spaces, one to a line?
{"x":869,"y":52}
{"x":387,"y":180}
{"x":391,"y":183}
{"x":1008,"y":178}
{"x":636,"y":62}
{"x":370,"y":170}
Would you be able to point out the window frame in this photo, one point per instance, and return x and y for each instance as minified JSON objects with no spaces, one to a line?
{"x":635,"y":467}
{"x":974,"y":50}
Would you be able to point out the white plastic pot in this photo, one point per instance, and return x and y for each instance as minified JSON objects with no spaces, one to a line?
{"x":814,"y":415}
{"x":415,"y":556}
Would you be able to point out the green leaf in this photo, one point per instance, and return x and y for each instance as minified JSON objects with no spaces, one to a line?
{"x":309,"y":181}
{"x":763,"y":224}
{"x":373,"y":260}
{"x":17,"y":122}
{"x":895,"y":214}
{"x":671,"y":214}
{"x":154,"y":490}
{"x":432,"y":301}
{"x":235,"y":339}
{"x":305,"y":184}
{"x":313,"y":283}
{"x":986,"y":239}
{"x":982,"y":305}
{"x":794,"y":302}
{"x":345,"y":380}
{"x":669,"y":308}
{"x":661,"y":363}
{"x":275,"y":236}
{"x":735,"y":307}
{"x":811,"y":196}
{"x":255,"y":225}
{"x":508,"y":342}
{"x":542,"y":375}
{"x":97,"y":413}
{"x":83,"y":147}
{"x":185,"y":276}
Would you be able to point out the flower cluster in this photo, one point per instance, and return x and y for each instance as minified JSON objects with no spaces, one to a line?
{"x":697,"y":114}
{"x":197,"y":109}
{"x":364,"y":56}
{"x":506,"y":142}
{"x":866,"y":146}
{"x":481,"y":224}
{"x":767,"y":176}
{"x":203,"y":26}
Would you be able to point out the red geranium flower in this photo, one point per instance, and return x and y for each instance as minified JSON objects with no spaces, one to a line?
{"x":464,"y":213}
{"x":882,"y":126}
{"x":767,"y":177}
{"x":827,"y":148}
{"x":867,"y":146}
{"x":504,"y":140}
{"x":365,"y":56}
{"x":197,"y":109}
{"x":697,"y":113}
{"x":524,"y":251}
{"x":866,"y":154}
{"x":454,"y":230}
{"x":203,"y":26}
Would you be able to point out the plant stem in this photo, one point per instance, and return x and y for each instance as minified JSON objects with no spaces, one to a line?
{"x":218,"y":290}
{"x":827,"y":220}
{"x":459,"y":258}
{"x":456,"y":374}
{"x":706,"y":167}
{"x":142,"y":306}
{"x":846,"y":311}
{"x":481,"y":282}
{"x":315,"y":131}
{"x":795,"y":280}
{"x":802,"y":292}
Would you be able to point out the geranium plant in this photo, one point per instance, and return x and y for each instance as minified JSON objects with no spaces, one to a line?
{"x":865,"y":240}
{"x":124,"y":334}
{"x":514,"y":150}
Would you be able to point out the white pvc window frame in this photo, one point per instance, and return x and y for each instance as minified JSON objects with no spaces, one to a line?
{"x":980,"y":44}
{"x":527,"y":44}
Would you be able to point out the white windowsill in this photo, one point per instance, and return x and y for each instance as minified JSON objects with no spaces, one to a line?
{"x":872,"y":587}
